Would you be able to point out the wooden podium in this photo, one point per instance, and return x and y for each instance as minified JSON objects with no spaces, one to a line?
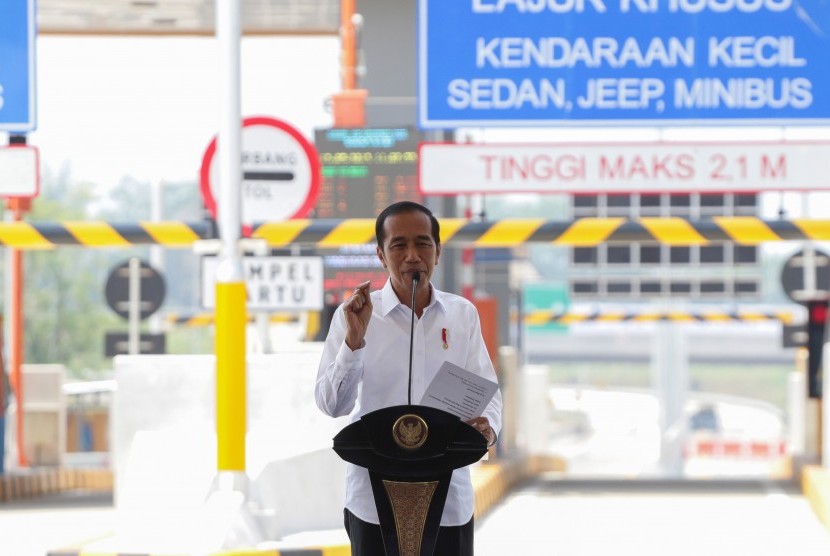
{"x":410,"y":452}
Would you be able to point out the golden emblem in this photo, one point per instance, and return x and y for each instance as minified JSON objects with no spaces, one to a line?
{"x":410,"y":432}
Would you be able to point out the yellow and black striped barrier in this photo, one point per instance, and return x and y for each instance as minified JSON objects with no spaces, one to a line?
{"x":206,"y":319}
{"x":542,"y":318}
{"x":335,"y":550}
{"x":581,"y":232}
{"x":454,"y":231}
{"x":46,"y":235}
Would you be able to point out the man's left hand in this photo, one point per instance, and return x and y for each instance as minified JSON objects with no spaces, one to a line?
{"x":482,"y":425}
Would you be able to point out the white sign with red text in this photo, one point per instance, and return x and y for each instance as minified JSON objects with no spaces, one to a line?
{"x":451,"y":169}
{"x":280,"y":172}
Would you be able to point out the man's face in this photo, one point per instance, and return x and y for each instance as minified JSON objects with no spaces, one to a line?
{"x":408,"y":247}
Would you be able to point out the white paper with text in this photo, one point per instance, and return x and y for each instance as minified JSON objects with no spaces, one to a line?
{"x":459,"y":391}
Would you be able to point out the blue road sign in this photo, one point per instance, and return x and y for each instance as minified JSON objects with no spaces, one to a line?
{"x":17,"y":65}
{"x":623,"y":62}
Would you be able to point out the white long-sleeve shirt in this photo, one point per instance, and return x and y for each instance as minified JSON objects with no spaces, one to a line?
{"x":376,"y":376}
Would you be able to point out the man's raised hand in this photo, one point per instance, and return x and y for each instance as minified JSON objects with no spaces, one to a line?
{"x":358,"y":311}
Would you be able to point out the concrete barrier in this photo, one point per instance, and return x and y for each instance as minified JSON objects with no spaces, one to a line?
{"x":165,"y":445}
{"x":164,"y":456}
{"x":492,"y":481}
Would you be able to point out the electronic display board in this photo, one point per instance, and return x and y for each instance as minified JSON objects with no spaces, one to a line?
{"x":363,"y":170}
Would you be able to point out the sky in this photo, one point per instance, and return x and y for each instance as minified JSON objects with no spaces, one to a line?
{"x":148,"y":106}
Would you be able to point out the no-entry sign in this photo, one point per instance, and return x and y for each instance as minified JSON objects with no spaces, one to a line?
{"x":280,"y":172}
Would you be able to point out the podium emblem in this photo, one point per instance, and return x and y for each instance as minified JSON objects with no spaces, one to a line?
{"x":410,"y":431}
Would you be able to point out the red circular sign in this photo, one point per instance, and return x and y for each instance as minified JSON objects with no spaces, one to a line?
{"x":280,"y":172}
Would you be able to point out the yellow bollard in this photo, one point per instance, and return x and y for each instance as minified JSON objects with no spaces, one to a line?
{"x":230,"y":376}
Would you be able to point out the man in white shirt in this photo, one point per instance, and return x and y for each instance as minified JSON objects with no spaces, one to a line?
{"x":365,"y":365}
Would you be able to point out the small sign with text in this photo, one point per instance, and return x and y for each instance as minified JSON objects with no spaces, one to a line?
{"x":273,"y":283}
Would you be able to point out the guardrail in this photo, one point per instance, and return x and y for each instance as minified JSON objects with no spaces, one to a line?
{"x":206,"y":319}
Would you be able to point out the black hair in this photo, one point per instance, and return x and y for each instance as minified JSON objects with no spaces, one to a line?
{"x":401,"y":208}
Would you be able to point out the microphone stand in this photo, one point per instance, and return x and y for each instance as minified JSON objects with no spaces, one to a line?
{"x":416,"y":277}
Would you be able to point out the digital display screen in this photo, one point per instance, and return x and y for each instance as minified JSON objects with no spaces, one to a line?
{"x":364,"y":170}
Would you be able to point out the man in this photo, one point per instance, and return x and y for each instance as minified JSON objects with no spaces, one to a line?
{"x":365,"y":364}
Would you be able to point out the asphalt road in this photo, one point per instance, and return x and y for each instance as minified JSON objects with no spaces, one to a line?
{"x":642,"y":518}
{"x":551,"y":515}
{"x":591,"y":511}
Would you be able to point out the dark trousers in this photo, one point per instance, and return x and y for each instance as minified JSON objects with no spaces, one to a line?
{"x":367,"y":541}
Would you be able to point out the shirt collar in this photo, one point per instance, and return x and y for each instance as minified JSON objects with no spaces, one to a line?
{"x":389,"y":299}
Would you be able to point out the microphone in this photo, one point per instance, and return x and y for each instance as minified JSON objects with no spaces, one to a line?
{"x":416,"y":277}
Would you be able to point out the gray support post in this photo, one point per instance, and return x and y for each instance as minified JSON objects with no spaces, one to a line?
{"x":156,"y":251}
{"x":796,"y":413}
{"x":670,"y":378}
{"x":824,"y":438}
{"x":510,"y":392}
{"x":134,"y":308}
{"x":534,"y":418}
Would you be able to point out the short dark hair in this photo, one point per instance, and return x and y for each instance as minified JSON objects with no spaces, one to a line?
{"x":401,"y":208}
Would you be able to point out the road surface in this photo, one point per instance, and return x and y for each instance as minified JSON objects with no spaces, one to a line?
{"x":555,"y":516}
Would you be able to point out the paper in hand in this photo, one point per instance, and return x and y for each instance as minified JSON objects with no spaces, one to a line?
{"x":459,"y":391}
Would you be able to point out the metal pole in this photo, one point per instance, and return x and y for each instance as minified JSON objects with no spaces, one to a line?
{"x":468,"y":260}
{"x":348,"y":54}
{"x":3,"y":397}
{"x":231,"y":404}
{"x":17,"y":206}
{"x":134,"y":307}
{"x":823,"y":415}
{"x":796,"y":412}
{"x":16,"y":335}
{"x":810,"y":289}
{"x":230,"y":287}
{"x":670,"y":376}
{"x":156,"y":251}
